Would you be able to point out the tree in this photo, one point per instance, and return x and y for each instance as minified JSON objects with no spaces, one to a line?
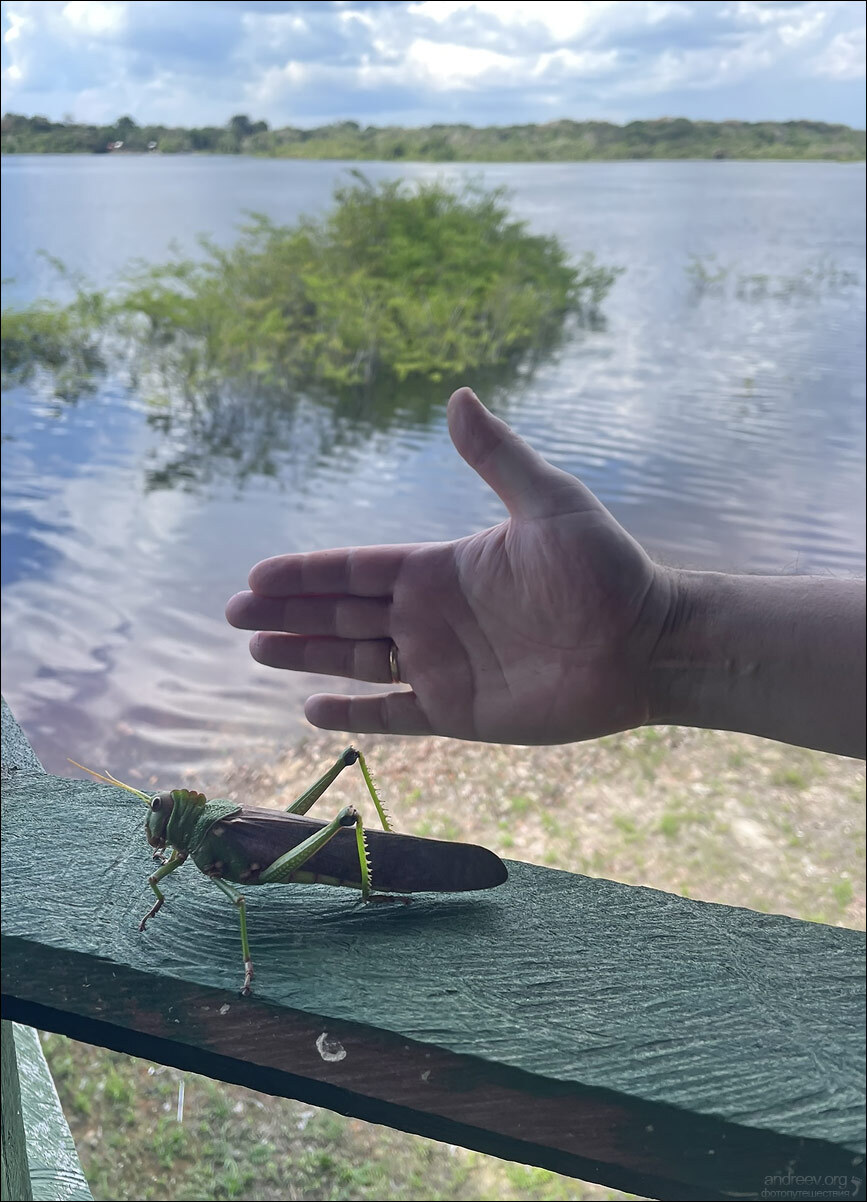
{"x":240,"y":125}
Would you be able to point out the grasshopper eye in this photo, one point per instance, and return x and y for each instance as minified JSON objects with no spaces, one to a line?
{"x":155,"y":803}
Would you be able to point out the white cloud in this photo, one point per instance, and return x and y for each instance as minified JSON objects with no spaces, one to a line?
{"x":95,"y":17}
{"x":769,"y":12}
{"x":347,"y":15}
{"x":571,"y":62}
{"x":448,"y":65}
{"x":843,"y":57}
{"x":274,"y":82}
{"x":16,"y":21}
{"x":483,"y":61}
{"x":562,"y":19}
{"x":809,"y":26}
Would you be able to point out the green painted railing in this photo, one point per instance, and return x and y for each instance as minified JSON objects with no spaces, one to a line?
{"x":660,"y":1045}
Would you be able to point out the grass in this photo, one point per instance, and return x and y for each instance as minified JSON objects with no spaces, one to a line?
{"x":236,"y":1144}
{"x":793,"y":777}
{"x":703,"y":814}
{"x":669,"y":824}
{"x":843,"y":892}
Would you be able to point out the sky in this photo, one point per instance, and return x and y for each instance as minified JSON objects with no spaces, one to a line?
{"x":402,"y":62}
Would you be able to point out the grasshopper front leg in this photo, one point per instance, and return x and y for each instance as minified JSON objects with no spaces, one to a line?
{"x":174,"y":861}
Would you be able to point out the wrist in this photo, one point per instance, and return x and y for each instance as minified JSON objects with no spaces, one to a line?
{"x":695,"y":667}
{"x":781,"y":657}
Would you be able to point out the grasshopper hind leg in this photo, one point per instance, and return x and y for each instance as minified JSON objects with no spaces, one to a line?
{"x":285,"y":866}
{"x":345,"y":760}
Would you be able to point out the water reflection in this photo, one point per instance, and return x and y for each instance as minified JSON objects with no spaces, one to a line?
{"x":288,"y":434}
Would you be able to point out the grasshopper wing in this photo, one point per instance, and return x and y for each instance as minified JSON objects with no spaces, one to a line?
{"x":399,"y":863}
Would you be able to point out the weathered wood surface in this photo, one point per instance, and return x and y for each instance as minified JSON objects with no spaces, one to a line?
{"x":650,"y":1042}
{"x":17,"y":754}
{"x":54,"y":1167}
{"x":14,"y":1173}
{"x":47,"y":1165}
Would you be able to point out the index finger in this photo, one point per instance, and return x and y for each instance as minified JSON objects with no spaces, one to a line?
{"x":357,"y":571}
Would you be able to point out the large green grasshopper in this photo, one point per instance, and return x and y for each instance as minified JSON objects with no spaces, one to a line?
{"x":231,"y":842}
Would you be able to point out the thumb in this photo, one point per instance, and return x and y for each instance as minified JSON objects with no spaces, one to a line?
{"x":527,"y":484}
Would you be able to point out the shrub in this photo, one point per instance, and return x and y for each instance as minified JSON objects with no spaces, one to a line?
{"x":393,"y":282}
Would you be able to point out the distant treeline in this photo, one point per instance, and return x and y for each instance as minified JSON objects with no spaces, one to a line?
{"x":558,"y":141}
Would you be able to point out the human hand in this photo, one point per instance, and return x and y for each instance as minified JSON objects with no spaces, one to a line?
{"x":539,"y":630}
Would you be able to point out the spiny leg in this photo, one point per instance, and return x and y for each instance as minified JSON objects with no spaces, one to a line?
{"x":306,"y":800}
{"x":348,"y":757}
{"x":371,"y":788}
{"x":285,"y":866}
{"x":174,"y":861}
{"x":363,"y":860}
{"x":237,"y":899}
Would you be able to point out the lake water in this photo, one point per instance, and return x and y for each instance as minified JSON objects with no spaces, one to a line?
{"x":724,"y":426}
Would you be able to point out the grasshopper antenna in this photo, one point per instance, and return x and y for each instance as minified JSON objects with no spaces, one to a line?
{"x":112,"y":780}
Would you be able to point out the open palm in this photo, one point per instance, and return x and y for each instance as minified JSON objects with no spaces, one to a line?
{"x":539,"y":630}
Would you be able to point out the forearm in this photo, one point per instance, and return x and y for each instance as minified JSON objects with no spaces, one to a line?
{"x":782,"y":657}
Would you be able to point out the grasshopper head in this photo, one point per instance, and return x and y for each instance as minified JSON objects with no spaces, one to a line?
{"x":160,"y":807}
{"x":159,"y":811}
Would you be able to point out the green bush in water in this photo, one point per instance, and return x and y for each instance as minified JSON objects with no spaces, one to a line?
{"x":393,"y":282}
{"x":60,"y":339}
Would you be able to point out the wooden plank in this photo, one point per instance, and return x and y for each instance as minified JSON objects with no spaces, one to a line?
{"x":643,"y":1040}
{"x":14,"y":1172}
{"x":55,"y":1170}
{"x":18,"y":756}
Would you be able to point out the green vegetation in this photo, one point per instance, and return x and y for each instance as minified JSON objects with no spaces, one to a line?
{"x":59,"y":339}
{"x":823,"y":278}
{"x":557,"y":141}
{"x":392,"y":283}
{"x":38,"y":135}
{"x":322,"y":331}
